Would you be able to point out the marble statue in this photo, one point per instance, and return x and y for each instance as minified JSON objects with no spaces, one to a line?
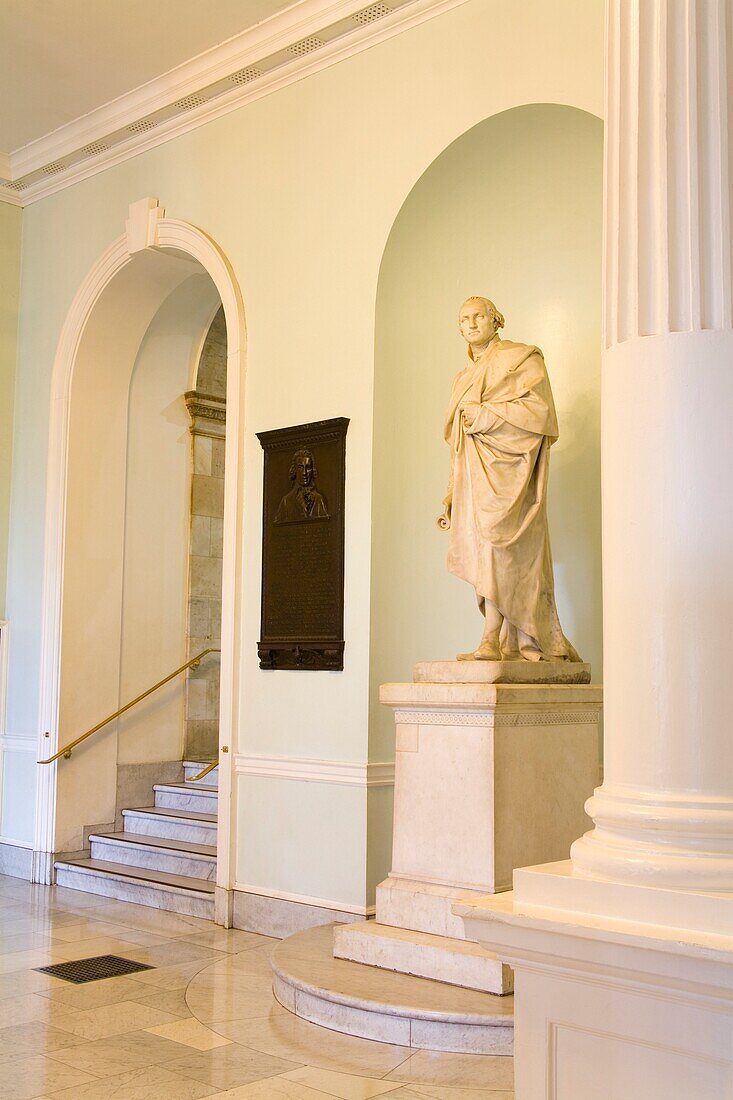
{"x":500,"y":425}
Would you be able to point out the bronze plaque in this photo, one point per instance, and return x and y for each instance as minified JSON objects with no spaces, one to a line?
{"x":302,"y":624}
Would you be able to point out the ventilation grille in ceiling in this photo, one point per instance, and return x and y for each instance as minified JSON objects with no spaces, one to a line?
{"x":189,"y":102}
{"x":368,"y":15}
{"x":245,"y":76}
{"x":263,"y":68}
{"x":142,"y":126}
{"x":93,"y":148}
{"x":306,"y":45}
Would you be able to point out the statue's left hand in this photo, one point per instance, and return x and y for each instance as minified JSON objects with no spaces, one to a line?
{"x":470,"y":412}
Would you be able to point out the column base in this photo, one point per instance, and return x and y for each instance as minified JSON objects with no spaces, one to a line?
{"x":671,"y":839}
{"x":558,"y":889}
{"x":616,"y":997}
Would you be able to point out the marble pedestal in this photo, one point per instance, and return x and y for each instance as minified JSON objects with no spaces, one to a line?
{"x":488,"y":777}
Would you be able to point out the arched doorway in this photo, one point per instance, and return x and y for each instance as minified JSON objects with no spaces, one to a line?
{"x":161,"y":276}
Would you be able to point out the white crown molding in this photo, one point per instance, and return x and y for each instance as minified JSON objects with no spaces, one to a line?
{"x":10,"y":197}
{"x":6,"y":168}
{"x":270,"y":36}
{"x":342,"y":772}
{"x":305,"y":19}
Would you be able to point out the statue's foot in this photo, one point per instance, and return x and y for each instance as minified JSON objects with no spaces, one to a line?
{"x":529,"y":653}
{"x":487,"y":651}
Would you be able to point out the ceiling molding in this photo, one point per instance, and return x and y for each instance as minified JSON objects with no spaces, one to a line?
{"x":11,"y":197}
{"x":309,"y":36}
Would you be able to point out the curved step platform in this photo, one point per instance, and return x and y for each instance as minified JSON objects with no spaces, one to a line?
{"x":385,"y":1006}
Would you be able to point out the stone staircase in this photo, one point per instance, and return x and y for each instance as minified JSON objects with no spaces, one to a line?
{"x":165,"y":855}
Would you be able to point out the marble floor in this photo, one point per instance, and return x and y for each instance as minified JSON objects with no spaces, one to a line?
{"x":202,"y":1023}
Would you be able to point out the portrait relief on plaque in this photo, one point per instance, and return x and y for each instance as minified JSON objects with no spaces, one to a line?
{"x":304,"y":501}
{"x":302,"y":623}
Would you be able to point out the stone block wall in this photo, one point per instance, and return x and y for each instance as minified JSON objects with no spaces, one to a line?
{"x":207,"y":408}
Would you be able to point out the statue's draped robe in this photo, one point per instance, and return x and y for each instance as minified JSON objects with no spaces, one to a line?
{"x":499,"y":540}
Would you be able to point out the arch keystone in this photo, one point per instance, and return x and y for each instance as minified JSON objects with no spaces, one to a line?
{"x":141,"y":226}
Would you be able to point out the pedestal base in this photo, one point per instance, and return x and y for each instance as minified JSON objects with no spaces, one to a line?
{"x":442,"y":958}
{"x":384,"y":1006}
{"x":501,"y":672}
{"x":422,"y":906}
{"x":608,"y":1009}
{"x":487,"y":776}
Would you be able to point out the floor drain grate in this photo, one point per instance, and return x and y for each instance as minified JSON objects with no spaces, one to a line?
{"x":93,"y":970}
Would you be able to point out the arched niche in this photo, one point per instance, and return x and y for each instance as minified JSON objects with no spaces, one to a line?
{"x":511,"y":210}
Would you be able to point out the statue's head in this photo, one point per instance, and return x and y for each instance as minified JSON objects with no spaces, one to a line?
{"x":303,"y":468}
{"x":479,"y":320}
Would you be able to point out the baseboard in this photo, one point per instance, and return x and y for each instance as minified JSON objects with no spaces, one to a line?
{"x":16,"y":861}
{"x":280,"y":917}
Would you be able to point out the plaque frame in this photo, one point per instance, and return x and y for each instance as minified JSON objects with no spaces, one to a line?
{"x":299,"y":647}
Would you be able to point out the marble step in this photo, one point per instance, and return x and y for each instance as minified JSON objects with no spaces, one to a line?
{"x":384,"y":1006}
{"x":178,"y":857}
{"x":457,"y":962}
{"x":186,"y":796}
{"x":193,"y":767}
{"x":171,"y":824}
{"x":174,"y":893}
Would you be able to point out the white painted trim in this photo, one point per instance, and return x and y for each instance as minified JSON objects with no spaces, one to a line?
{"x":193,"y":368}
{"x":343,"y":772}
{"x":16,"y":843}
{"x":12,"y":743}
{"x":303,"y":19}
{"x":161,"y":233}
{"x":6,"y":167}
{"x":305,"y":899}
{"x":12,"y":198}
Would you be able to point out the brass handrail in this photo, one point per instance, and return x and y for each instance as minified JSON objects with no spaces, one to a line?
{"x":66,"y":750}
{"x":210,"y":768}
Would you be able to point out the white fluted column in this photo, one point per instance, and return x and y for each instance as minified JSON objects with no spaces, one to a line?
{"x":623,"y":955}
{"x":664,"y":815}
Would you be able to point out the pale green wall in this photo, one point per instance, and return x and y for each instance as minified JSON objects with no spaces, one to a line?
{"x":10,"y":236}
{"x":17,"y":766}
{"x":512,"y":210}
{"x":300,"y":189}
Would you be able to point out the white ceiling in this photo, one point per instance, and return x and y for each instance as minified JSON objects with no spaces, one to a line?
{"x":60,"y":59}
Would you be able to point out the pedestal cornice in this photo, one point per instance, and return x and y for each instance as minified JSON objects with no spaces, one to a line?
{"x":490,"y":696}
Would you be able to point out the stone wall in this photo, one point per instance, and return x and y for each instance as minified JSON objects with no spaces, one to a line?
{"x":207,"y":408}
